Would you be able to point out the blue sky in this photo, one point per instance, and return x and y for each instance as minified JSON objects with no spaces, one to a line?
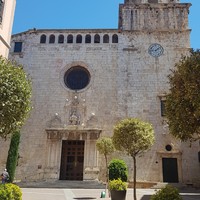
{"x":84,"y":14}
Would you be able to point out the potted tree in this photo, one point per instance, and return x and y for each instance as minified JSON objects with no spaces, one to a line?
{"x":134,"y":137}
{"x":105,"y":147}
{"x":118,"y":189}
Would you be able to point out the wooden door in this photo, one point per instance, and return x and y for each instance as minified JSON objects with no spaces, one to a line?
{"x":170,"y":170}
{"x":72,"y":160}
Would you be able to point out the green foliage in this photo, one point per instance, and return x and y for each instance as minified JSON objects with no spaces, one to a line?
{"x":118,"y":169}
{"x":167,"y":193}
{"x":15,"y":103}
{"x":117,"y":184}
{"x":183,"y":100}
{"x":133,"y":136}
{"x":105,"y":146}
{"x":13,"y":155}
{"x":10,"y":192}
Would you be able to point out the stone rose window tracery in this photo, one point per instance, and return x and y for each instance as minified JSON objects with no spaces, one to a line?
{"x":77,"y":78}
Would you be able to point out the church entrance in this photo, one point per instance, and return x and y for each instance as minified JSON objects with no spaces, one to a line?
{"x":72,"y":160}
{"x":170,"y":170}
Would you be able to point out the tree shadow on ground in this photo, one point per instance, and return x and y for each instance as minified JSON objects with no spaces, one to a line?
{"x":146,"y":197}
{"x":185,"y":196}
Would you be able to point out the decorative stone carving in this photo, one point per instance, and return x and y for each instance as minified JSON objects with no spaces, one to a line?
{"x":55,"y":121}
{"x":75,"y":107}
{"x":74,"y":119}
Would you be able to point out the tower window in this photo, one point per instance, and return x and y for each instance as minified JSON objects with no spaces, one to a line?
{"x":88,"y":39}
{"x":162,"y":106}
{"x":106,"y":38}
{"x":97,"y":38}
{"x":61,"y":39}
{"x":52,"y":39}
{"x":43,"y":39}
{"x":1,"y":10}
{"x":115,"y":38}
{"x":70,"y":38}
{"x":79,"y":39}
{"x":18,"y":47}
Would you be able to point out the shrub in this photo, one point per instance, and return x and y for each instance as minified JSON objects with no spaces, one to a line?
{"x":10,"y":192}
{"x":13,"y":155}
{"x":118,"y":169}
{"x":168,"y":192}
{"x":118,"y":185}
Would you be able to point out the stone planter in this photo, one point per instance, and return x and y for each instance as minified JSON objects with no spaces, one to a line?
{"x":118,"y":195}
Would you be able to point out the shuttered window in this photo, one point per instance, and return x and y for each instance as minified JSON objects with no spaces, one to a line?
{"x":1,"y":10}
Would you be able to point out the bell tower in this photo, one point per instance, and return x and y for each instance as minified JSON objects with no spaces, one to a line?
{"x":153,"y":15}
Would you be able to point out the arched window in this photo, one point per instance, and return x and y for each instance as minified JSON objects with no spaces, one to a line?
{"x":79,"y":39}
{"x":97,"y":38}
{"x":70,"y":38}
{"x":115,"y":38}
{"x":106,"y":38}
{"x":43,"y":39}
{"x":52,"y":39}
{"x":61,"y":39}
{"x":88,"y":39}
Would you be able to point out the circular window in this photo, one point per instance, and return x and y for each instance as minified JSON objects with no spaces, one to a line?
{"x":77,"y":78}
{"x":168,"y":147}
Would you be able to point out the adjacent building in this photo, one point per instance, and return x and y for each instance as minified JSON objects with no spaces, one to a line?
{"x":87,"y":80}
{"x":7,"y":9}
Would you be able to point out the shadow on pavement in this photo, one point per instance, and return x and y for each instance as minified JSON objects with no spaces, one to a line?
{"x":190,"y":196}
{"x":186,"y":196}
{"x":146,"y":197}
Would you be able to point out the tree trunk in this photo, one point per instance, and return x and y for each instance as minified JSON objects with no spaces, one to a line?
{"x":134,"y":178}
{"x":107,"y":177}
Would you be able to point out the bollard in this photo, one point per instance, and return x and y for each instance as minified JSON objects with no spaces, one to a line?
{"x":103,"y":194}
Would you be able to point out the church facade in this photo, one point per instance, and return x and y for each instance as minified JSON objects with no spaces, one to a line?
{"x":85,"y":81}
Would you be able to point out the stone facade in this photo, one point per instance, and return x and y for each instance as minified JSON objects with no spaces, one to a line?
{"x":125,"y":75}
{"x":7,"y":9}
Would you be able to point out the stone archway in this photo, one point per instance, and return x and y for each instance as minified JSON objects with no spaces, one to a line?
{"x":56,"y":136}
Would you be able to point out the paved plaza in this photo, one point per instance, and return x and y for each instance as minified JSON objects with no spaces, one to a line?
{"x":87,"y":194}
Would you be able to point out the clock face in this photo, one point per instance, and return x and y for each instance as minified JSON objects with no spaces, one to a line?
{"x":156,"y":50}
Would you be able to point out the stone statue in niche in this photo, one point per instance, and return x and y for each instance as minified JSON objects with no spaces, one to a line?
{"x":74,"y":119}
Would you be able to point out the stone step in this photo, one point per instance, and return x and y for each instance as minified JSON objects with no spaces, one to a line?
{"x":62,"y":184}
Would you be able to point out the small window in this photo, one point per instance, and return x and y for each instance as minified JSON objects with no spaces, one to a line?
{"x":70,"y":38}
{"x":97,"y":38}
{"x":79,"y":39}
{"x":18,"y":47}
{"x":61,"y":39}
{"x":106,"y":38}
{"x":168,"y":147}
{"x":52,"y":39}
{"x":162,"y":106}
{"x":88,"y":39}
{"x":1,"y":10}
{"x":43,"y":39}
{"x":152,"y":1}
{"x":115,"y":38}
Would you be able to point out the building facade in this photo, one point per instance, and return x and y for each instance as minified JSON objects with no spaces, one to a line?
{"x":85,"y":81}
{"x":7,"y":9}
